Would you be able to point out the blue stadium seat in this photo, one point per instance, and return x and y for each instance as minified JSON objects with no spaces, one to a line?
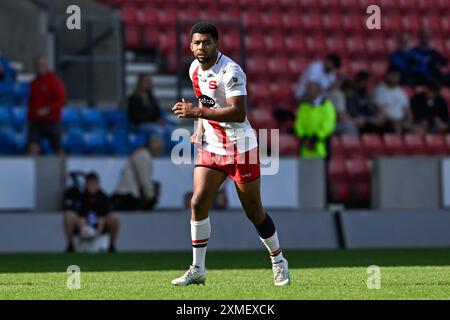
{"x":71,"y":118}
{"x":21,"y":91}
{"x":118,"y":143}
{"x":92,"y":119}
{"x":20,"y":141}
{"x":73,"y":142}
{"x":7,"y":141}
{"x":19,"y":117}
{"x":95,"y":142}
{"x":137,"y":139}
{"x":6,"y":117}
{"x":116,"y":119}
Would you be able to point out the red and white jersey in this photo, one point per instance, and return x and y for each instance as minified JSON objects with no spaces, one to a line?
{"x":212,"y":87}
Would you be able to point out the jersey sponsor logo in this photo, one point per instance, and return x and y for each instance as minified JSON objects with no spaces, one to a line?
{"x":246,"y":175}
{"x":213,"y":84}
{"x":207,"y":101}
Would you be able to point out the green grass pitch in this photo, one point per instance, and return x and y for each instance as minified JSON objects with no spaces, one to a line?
{"x":405,"y":274}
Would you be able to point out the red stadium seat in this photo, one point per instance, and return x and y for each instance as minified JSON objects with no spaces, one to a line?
{"x":432,"y":22}
{"x":278,"y":66}
{"x":282,"y":92}
{"x":231,"y":12}
{"x":231,"y":42}
{"x":167,"y":17}
{"x":256,"y":67}
{"x":336,"y":170}
{"x":414,"y":144}
{"x":357,"y":169}
{"x":272,"y":20}
{"x":297,"y":66}
{"x":373,"y":145}
{"x":252,"y":20}
{"x":167,"y":42}
{"x":447,"y":142}
{"x":351,"y":145}
{"x":331,"y":21}
{"x":260,"y":91}
{"x":394,"y":145}
{"x":248,"y":5}
{"x":378,"y":69}
{"x":130,"y":15}
{"x":289,"y":145}
{"x":329,"y":5}
{"x":315,"y":45}
{"x":337,"y":150}
{"x":435,"y":145}
{"x":411,"y":22}
{"x":291,"y":21}
{"x":132,"y":37}
{"x":340,"y":191}
{"x":275,"y":42}
{"x":376,"y":46}
{"x":149,"y":16}
{"x":391,"y":22}
{"x":295,"y":44}
{"x":311,"y":21}
{"x":254,"y":43}
{"x":353,"y":22}
{"x":349,"y":4}
{"x":261,"y":119}
{"x":406,"y":5}
{"x":336,"y":43}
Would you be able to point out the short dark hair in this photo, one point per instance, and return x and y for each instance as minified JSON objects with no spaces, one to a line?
{"x":392,"y":69}
{"x":205,"y":28}
{"x":336,"y":59}
{"x":362,"y":75}
{"x":92,"y":176}
{"x":434,"y":86}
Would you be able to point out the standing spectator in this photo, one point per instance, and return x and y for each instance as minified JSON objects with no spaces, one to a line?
{"x":136,"y":188}
{"x":360,"y":106}
{"x":322,"y":72}
{"x":430,"y":110}
{"x":339,"y":97}
{"x":315,"y":122}
{"x":46,"y":100}
{"x":143,"y":108}
{"x":94,"y":210}
{"x":393,"y":104}
{"x":429,"y":61}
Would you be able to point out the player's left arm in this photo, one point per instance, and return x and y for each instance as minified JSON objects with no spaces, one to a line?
{"x":235,"y":111}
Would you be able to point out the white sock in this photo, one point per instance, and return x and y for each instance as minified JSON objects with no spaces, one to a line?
{"x":200,"y":232}
{"x":272,"y":244}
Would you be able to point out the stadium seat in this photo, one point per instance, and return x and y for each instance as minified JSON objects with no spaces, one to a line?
{"x":315,"y":44}
{"x":296,"y":66}
{"x":411,"y":22}
{"x":311,"y":22}
{"x":71,"y":118}
{"x":272,"y":20}
{"x":331,"y":21}
{"x":261,"y":119}
{"x":118,"y":144}
{"x":414,"y":144}
{"x":435,"y":145}
{"x":282,"y":93}
{"x":431,"y":22}
{"x":260,"y":91}
{"x":339,"y":191}
{"x":255,"y":43}
{"x":148,"y":16}
{"x":95,"y":142}
{"x":353,"y":22}
{"x":92,"y":118}
{"x":394,"y":145}
{"x":351,"y":145}
{"x":256,"y":67}
{"x":289,"y":145}
{"x":19,"y":118}
{"x":291,"y":22}
{"x":116,"y":119}
{"x":231,"y":12}
{"x":130,"y":15}
{"x":231,"y":42}
{"x":6,"y":117}
{"x":132,"y":37}
{"x":375,"y":46}
{"x":372,"y":145}
{"x":73,"y":142}
{"x":336,"y":169}
{"x":335,"y":43}
{"x":357,"y":169}
{"x":278,"y":66}
{"x":137,"y":139}
{"x":252,"y":20}
{"x":275,"y":42}
{"x":356,"y":45}
{"x":337,"y":150}
{"x":295,"y":44}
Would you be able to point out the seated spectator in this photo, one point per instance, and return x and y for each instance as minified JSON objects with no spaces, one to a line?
{"x":360,"y":106}
{"x":315,"y":122}
{"x":46,"y":100}
{"x":143,"y":108}
{"x":339,"y":97}
{"x":411,"y":72}
{"x":94,"y":209}
{"x":136,"y":189}
{"x":392,"y":104}
{"x":428,"y":61}
{"x":430,"y":110}
{"x":322,"y":72}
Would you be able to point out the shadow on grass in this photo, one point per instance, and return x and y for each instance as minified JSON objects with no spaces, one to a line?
{"x":17,"y":263}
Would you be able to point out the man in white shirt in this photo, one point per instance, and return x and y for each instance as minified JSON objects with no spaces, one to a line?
{"x":322,"y":72}
{"x":393,"y":103}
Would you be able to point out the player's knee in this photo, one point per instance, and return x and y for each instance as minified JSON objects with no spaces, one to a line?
{"x":198,"y":202}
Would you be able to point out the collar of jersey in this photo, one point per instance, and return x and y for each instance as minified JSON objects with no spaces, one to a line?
{"x":219,"y":56}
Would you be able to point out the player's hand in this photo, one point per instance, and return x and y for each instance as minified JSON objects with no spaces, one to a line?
{"x":185,"y":110}
{"x":196,"y":138}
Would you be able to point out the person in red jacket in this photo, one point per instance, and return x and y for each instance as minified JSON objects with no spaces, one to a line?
{"x":46,"y":100}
